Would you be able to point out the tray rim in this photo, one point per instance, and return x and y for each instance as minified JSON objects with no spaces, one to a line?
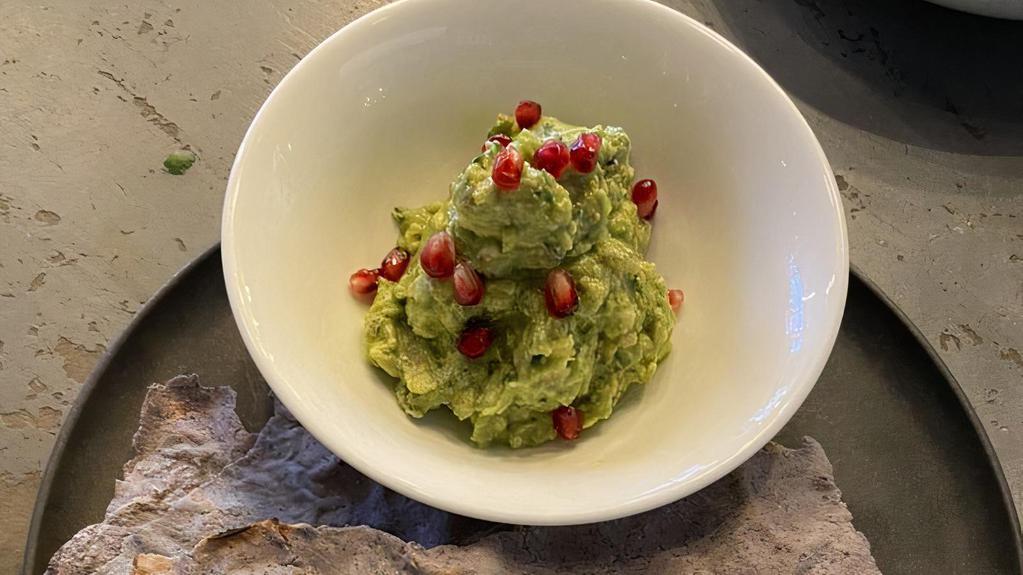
{"x":29,"y":564}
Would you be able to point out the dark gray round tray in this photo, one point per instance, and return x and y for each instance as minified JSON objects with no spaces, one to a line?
{"x":912,"y":461}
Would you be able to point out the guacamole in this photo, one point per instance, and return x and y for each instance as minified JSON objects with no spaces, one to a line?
{"x":178,"y":162}
{"x":532,"y":361}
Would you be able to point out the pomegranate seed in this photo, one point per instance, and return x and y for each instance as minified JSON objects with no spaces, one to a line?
{"x":363,"y":282}
{"x":568,"y":422}
{"x":675,"y":299}
{"x":468,"y":285}
{"x":553,"y":157}
{"x":527,"y":114}
{"x":394,"y":264}
{"x":644,"y":195}
{"x":507,"y":169}
{"x":560,"y":294}
{"x":501,"y":139}
{"x":438,"y":256}
{"x":475,"y":341}
{"x":584,"y":152}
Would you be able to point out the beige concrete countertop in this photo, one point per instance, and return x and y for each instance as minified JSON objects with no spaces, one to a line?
{"x":93,"y":97}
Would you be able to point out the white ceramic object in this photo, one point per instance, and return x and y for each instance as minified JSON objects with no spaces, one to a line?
{"x":1009,"y":9}
{"x":387,"y":111}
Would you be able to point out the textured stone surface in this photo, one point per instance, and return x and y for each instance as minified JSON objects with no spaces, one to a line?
{"x":780,"y":512}
{"x":925,"y":135}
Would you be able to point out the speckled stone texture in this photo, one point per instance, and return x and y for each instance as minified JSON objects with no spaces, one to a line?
{"x":194,"y":501}
{"x":925,"y":134}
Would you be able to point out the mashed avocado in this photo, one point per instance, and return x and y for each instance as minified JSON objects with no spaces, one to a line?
{"x":583,"y":223}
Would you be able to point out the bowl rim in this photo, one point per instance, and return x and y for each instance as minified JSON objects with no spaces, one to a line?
{"x":628,"y":505}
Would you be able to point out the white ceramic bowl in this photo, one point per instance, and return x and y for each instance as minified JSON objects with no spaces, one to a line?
{"x":1010,"y":9}
{"x":388,"y":110}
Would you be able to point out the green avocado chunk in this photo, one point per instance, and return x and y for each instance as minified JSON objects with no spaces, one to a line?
{"x":178,"y":162}
{"x":584,"y":223}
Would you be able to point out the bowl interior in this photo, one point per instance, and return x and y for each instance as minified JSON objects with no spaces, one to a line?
{"x":388,"y":111}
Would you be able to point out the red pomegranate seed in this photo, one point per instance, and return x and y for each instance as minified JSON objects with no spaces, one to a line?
{"x":438,"y":256}
{"x":501,"y":139}
{"x":507,"y":169}
{"x":553,"y":157}
{"x":675,"y":299}
{"x":644,"y":195}
{"x":584,"y":152}
{"x":527,"y":114}
{"x":394,"y":264}
{"x":568,"y":422}
{"x":468,"y":285}
{"x":363,"y":282}
{"x":475,"y":341}
{"x":560,"y":294}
